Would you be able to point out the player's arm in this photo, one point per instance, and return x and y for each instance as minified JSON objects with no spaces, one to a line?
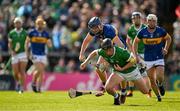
{"x":26,"y":46}
{"x":135,"y":47}
{"x":129,"y":43}
{"x":130,"y":62}
{"x":84,"y":46}
{"x":10,"y":46}
{"x":168,"y":40}
{"x":49,"y":43}
{"x":91,"y":56}
{"x":116,"y":39}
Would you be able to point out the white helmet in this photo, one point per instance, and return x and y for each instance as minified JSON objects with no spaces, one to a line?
{"x":152,"y":17}
{"x":136,"y":14}
{"x":18,"y":19}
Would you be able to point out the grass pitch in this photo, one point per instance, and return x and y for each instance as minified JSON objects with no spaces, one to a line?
{"x":60,"y":101}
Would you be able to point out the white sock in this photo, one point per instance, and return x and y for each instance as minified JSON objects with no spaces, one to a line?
{"x":116,"y":95}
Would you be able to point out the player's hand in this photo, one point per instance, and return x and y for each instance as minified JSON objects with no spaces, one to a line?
{"x":83,"y":65}
{"x":98,"y":94}
{"x":137,"y":59}
{"x":164,"y":51}
{"x":117,"y":67}
{"x":13,"y":53}
{"x":82,"y":58}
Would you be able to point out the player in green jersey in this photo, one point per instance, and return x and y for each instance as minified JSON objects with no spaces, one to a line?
{"x":16,"y":39}
{"x":124,"y":68}
{"x":132,"y":32}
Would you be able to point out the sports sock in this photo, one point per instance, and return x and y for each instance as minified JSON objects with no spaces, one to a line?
{"x":123,"y":91}
{"x":103,"y":83}
{"x":116,"y":95}
{"x":160,"y":84}
{"x":158,"y":96}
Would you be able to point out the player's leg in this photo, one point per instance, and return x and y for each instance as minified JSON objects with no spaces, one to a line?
{"x":141,"y":85}
{"x":40,"y":78}
{"x":101,"y":70}
{"x":131,"y":88}
{"x":22,"y":68}
{"x":160,"y":79}
{"x":113,"y":81}
{"x":152,"y":76}
{"x":123,"y":85}
{"x":148,"y":84}
{"x":142,"y":68}
{"x":22,"y":74}
{"x":15,"y":69}
{"x":137,"y":79}
{"x":37,"y":77}
{"x":101,"y":75}
{"x":41,"y":68}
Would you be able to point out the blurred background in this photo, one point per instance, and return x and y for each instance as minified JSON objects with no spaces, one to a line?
{"x":67,"y":26}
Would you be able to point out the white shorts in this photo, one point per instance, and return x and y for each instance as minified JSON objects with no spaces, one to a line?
{"x":21,"y":57}
{"x":39,"y":58}
{"x":144,"y":74}
{"x":151,"y":64}
{"x":132,"y":76}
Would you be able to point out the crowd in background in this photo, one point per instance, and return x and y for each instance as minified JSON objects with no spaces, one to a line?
{"x":67,"y":24}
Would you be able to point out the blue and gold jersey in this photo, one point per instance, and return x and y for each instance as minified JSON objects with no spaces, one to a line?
{"x":38,"y":41}
{"x":108,"y":32}
{"x":153,"y":43}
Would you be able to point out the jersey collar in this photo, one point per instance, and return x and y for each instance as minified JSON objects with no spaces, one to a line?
{"x":114,"y":52}
{"x":137,"y":28}
{"x":18,"y":31}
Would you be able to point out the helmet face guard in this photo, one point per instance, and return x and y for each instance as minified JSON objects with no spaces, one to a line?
{"x":95,"y":25}
{"x":96,"y":29}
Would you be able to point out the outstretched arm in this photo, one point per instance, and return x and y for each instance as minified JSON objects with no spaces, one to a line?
{"x":116,"y":39}
{"x":84,"y":46}
{"x":91,"y":56}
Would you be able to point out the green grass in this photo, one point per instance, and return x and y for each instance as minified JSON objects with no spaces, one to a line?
{"x":59,"y":101}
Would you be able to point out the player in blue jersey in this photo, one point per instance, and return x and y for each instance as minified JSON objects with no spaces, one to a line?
{"x":38,"y":39}
{"x":100,"y":31}
{"x":156,"y":43}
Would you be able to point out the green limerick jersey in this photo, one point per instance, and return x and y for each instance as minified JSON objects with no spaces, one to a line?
{"x":18,"y":40}
{"x":132,"y":32}
{"x":121,"y":57}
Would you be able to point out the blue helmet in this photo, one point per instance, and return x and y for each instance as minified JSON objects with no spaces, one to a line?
{"x":106,"y":44}
{"x":95,"y":21}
